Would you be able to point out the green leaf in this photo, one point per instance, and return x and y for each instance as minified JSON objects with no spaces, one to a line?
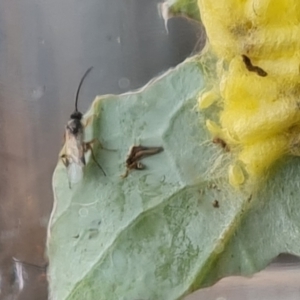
{"x":156,"y":234}
{"x":188,"y":8}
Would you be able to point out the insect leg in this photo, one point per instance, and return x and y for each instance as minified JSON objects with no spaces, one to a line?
{"x":88,"y":146}
{"x":100,"y":144}
{"x":64,"y":159}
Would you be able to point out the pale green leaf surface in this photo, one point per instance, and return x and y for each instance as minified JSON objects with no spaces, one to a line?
{"x":155,"y":234}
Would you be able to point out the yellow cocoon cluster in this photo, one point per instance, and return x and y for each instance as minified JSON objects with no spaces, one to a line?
{"x":258,"y":43}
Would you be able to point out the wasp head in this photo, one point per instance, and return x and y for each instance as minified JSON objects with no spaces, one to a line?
{"x":76,"y":115}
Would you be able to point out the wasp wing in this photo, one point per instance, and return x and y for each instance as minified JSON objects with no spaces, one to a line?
{"x":74,"y":149}
{"x":75,"y":172}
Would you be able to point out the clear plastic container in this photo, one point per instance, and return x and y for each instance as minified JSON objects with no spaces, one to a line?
{"x":45,"y":46}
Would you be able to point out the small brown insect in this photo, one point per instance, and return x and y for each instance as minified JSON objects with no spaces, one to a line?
{"x":136,"y":153}
{"x":252,"y":68}
{"x":222,"y":143}
{"x":216,"y":204}
{"x":75,"y":147}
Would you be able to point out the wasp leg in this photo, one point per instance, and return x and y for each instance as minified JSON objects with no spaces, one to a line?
{"x":93,"y":141}
{"x":87,"y":147}
{"x":64,"y":159}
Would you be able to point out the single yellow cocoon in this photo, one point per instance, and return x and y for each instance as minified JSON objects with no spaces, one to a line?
{"x":236,"y":175}
{"x":207,"y":99}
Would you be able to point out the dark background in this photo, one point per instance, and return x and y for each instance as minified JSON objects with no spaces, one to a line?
{"x":45,"y":47}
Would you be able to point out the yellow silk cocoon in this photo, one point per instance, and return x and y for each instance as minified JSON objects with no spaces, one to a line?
{"x":259,"y":118}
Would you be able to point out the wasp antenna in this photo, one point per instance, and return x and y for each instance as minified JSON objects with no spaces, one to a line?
{"x":79,"y":86}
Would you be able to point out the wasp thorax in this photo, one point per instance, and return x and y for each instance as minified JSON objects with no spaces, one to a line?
{"x":75,"y":126}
